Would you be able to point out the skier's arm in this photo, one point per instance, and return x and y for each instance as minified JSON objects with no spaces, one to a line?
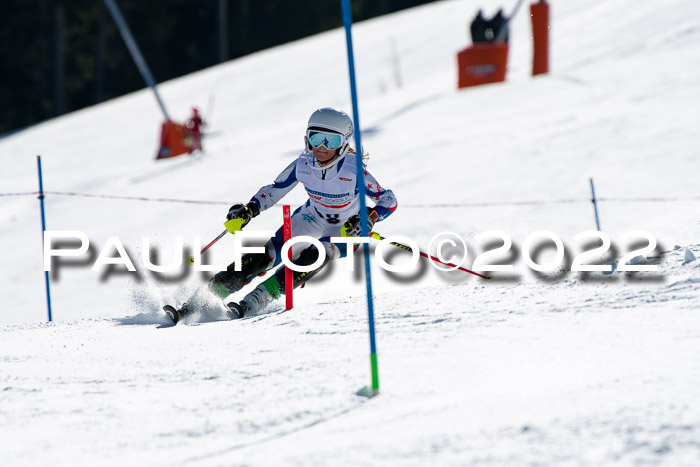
{"x":384,"y":207}
{"x":269,"y":195}
{"x":385,"y":201}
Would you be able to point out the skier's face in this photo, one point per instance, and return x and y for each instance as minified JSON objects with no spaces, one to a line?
{"x":325,"y":156}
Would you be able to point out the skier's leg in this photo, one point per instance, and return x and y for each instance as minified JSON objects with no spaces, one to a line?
{"x":230,"y":281}
{"x":256,"y":264}
{"x":274,"y":286}
{"x":226,"y":282}
{"x":308,"y":257}
{"x":305,"y":223}
{"x":223,"y":284}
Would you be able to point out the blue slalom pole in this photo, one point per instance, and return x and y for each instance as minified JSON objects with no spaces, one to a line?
{"x":135,"y":52}
{"x":504,"y":27}
{"x":347,"y":21}
{"x":595,"y":205}
{"x":43,"y":229}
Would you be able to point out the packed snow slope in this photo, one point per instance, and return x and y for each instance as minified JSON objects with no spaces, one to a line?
{"x":559,"y":368}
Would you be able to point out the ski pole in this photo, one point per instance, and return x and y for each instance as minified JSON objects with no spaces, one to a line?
{"x":425,"y":255}
{"x":190,"y":260}
{"x":232,"y":225}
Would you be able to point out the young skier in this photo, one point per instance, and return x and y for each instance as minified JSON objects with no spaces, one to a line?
{"x":332,"y":210}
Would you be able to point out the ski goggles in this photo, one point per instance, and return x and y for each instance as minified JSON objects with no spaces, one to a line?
{"x":321,"y":138}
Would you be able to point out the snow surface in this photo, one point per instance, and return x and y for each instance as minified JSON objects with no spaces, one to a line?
{"x":528,"y":369}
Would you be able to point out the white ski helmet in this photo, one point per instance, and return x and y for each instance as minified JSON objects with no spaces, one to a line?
{"x":333,"y":120}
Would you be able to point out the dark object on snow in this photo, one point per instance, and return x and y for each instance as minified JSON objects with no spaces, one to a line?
{"x":477,"y":28}
{"x":483,"y":30}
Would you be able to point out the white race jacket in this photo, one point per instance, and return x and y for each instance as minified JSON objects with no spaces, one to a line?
{"x":333,"y":193}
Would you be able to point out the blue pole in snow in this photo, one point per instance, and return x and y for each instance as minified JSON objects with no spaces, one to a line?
{"x":43,"y":229}
{"x":504,"y":27}
{"x":595,"y":205}
{"x":347,"y":21}
{"x":135,"y":52}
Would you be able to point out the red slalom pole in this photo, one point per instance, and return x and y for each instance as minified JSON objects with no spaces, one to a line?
{"x":539,"y":14}
{"x":288,"y":279}
{"x":425,"y":255}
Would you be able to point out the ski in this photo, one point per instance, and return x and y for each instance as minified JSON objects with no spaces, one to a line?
{"x":235,"y":311}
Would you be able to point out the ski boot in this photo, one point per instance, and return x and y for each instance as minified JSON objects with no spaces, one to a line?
{"x":235,"y":310}
{"x":174,"y":314}
{"x":256,"y":300}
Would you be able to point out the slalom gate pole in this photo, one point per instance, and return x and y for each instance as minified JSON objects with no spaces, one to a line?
{"x":209,"y":111}
{"x":135,"y":52}
{"x":504,"y":27}
{"x":595,"y":205}
{"x":288,"y":274}
{"x":364,"y":224}
{"x":190,"y":260}
{"x":425,"y":255}
{"x":43,"y":230}
{"x":539,"y":19}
